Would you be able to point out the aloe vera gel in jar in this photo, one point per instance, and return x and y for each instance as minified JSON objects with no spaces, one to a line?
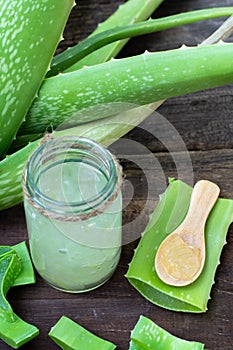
{"x":73,"y":208}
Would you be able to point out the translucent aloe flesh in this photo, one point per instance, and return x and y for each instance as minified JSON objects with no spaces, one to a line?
{"x":147,"y":335}
{"x":13,"y":330}
{"x":26,"y":50}
{"x":169,"y":213}
{"x":71,"y":336}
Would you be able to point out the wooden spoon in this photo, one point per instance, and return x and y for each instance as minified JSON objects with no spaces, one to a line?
{"x":181,"y":256}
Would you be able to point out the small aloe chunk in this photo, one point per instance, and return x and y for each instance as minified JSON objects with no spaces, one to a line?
{"x":168,"y":215}
{"x":147,"y":335}
{"x":71,"y":336}
{"x":26,"y":275}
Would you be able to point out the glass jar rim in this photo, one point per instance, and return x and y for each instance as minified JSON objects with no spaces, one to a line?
{"x":65,"y":143}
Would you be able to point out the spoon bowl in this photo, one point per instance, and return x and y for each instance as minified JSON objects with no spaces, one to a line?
{"x":181,"y":256}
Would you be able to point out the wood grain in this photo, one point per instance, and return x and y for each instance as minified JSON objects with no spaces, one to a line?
{"x":205,"y":122}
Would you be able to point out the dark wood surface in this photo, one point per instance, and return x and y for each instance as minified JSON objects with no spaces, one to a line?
{"x":205,"y":122}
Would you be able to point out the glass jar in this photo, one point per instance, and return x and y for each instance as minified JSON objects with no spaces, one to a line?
{"x":73,"y":208}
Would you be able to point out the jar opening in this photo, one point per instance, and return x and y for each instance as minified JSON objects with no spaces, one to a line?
{"x":71,"y":175}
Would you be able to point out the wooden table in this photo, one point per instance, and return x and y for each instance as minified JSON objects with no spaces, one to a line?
{"x":205,"y":122}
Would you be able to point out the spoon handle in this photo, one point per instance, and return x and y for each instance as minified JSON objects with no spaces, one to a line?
{"x":204,"y":196}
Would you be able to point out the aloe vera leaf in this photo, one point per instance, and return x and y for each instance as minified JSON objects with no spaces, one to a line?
{"x":168,"y":215}
{"x":71,"y":336}
{"x":147,"y":335}
{"x":13,"y":330}
{"x":142,"y":79}
{"x":130,"y":12}
{"x":30,"y":32}
{"x":67,"y":58}
{"x":26,"y":275}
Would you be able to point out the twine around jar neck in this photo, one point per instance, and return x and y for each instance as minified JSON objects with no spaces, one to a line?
{"x":72,"y":217}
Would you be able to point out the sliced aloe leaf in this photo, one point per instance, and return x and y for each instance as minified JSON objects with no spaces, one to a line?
{"x":169,"y":213}
{"x":147,"y":335}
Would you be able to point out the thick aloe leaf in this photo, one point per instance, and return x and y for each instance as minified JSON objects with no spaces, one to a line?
{"x":107,"y":88}
{"x":168,"y":215}
{"x":147,"y":335}
{"x":30,"y":32}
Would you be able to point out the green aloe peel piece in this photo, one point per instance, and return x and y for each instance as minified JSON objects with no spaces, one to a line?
{"x":168,"y":215}
{"x":146,"y":335}
{"x":71,"y":336}
{"x":26,"y":275}
{"x":13,"y":330}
